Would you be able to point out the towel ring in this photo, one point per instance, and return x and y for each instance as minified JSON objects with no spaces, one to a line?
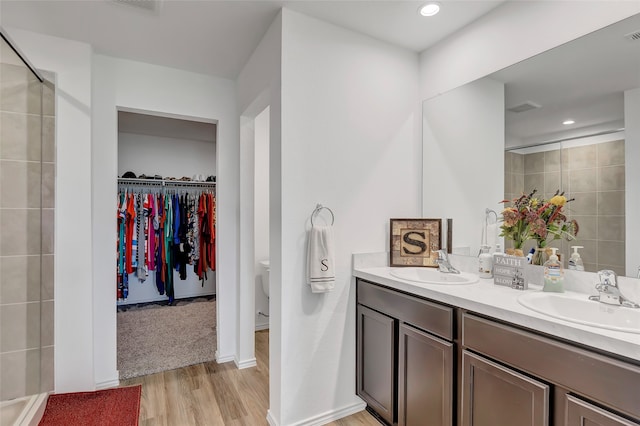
{"x":317,"y":210}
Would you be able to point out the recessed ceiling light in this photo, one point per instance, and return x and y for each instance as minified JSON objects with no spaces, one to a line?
{"x":567,"y":122}
{"x":429,"y":9}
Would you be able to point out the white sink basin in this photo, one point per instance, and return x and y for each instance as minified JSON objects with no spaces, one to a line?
{"x":432,"y":276}
{"x":577,"y":308}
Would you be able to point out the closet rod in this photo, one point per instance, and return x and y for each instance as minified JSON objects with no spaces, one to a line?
{"x":167,"y":183}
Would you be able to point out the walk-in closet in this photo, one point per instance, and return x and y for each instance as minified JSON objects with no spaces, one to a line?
{"x":165,"y":243}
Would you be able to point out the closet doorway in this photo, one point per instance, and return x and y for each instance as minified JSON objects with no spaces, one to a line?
{"x":166,"y":270}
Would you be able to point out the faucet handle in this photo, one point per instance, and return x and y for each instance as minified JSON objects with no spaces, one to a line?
{"x":607,"y":278}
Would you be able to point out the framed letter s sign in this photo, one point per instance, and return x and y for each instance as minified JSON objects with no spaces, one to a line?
{"x":414,"y":242}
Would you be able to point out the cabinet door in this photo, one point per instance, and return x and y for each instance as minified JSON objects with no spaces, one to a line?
{"x":493,"y":395}
{"x":581,"y":413}
{"x":425,"y":378}
{"x":376,"y":355}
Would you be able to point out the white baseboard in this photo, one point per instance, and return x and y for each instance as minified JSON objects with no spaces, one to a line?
{"x":260,"y":327}
{"x":247,"y":363}
{"x":324,"y":418}
{"x":221,"y":359}
{"x":270,"y":419}
{"x":114,"y":383}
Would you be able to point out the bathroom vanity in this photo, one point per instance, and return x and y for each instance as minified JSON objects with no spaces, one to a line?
{"x":472,"y":355}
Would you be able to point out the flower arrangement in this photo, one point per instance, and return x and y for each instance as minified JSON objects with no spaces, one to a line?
{"x":531,"y":218}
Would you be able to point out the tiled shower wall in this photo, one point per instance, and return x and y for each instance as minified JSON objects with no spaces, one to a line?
{"x":27,"y":176}
{"x":595,"y":176}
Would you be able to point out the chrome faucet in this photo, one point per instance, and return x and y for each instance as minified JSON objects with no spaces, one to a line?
{"x":443,"y":263}
{"x":610,"y":292}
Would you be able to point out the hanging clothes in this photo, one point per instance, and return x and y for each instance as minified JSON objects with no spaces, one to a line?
{"x":162,"y":233}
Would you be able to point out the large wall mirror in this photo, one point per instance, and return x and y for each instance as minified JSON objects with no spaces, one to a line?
{"x":569,"y":119}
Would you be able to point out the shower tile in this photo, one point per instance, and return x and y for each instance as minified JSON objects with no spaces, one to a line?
{"x":582,"y":157}
{"x":611,"y":228}
{"x":20,"y":230}
{"x":46,"y":323}
{"x":591,"y":267}
{"x":589,"y":253}
{"x":19,"y":374}
{"x":585,"y":203}
{"x":48,"y":185}
{"x":46,"y":369}
{"x":611,"y":252}
{"x":618,"y":269}
{"x":552,"y":161}
{"x":12,"y":375}
{"x":20,"y":184}
{"x":587,"y":227}
{"x":611,"y":178}
{"x":583,"y":180}
{"x":48,"y":98}
{"x":47,"y":276}
{"x":20,"y":136}
{"x":518,"y":184}
{"x":551,"y":182}
{"x":48,"y":139}
{"x":534,"y":163}
{"x":534,"y":181}
{"x":47,"y":231}
{"x":611,"y":203}
{"x":517,"y":163}
{"x":20,"y":278}
{"x":611,"y":153}
{"x":19,"y":90}
{"x":19,"y":326}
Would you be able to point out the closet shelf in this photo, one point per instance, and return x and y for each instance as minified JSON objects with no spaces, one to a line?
{"x":165,"y":183}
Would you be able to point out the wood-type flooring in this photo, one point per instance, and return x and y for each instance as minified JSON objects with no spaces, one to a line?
{"x":212,"y":394}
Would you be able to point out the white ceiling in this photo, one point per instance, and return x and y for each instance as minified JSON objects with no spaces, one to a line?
{"x":583,"y":80}
{"x":217,"y":37}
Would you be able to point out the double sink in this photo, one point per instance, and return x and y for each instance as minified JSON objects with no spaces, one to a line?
{"x":569,"y":306}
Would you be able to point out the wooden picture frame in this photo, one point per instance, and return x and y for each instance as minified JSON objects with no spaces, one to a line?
{"x":415,"y":242}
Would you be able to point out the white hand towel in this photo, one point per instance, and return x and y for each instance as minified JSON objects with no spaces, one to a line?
{"x":320,"y":261}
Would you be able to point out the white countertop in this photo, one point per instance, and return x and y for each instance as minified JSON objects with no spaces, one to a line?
{"x":501,"y":303}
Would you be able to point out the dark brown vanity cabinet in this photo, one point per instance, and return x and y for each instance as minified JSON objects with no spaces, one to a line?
{"x":405,"y":357}
{"x":425,"y":378}
{"x":421,"y":363}
{"x":582,"y":413}
{"x":376,"y":374}
{"x":512,"y":376}
{"x":499,"y":396}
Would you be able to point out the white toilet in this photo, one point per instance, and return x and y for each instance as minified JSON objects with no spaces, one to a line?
{"x":264,"y":274}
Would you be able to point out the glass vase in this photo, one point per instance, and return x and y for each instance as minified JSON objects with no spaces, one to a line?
{"x":540,"y":256}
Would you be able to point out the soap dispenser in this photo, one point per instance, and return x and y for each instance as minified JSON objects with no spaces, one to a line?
{"x":485,"y":262}
{"x":575,"y":262}
{"x":553,"y":274}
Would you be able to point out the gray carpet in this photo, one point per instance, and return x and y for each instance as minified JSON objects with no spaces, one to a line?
{"x":156,"y":338}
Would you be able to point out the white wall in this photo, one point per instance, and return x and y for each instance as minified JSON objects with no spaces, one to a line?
{"x":463,"y":149}
{"x":632,"y":180}
{"x":74,"y":320}
{"x":147,"y":154}
{"x":143,"y":87}
{"x":350,"y":140}
{"x":512,"y":32}
{"x":258,"y":86}
{"x":261,"y":209}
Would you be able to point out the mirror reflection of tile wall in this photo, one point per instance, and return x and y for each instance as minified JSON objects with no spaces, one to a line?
{"x":592,"y":174}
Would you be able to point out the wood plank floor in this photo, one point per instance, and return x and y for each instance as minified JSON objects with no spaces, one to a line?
{"x":216,"y":394}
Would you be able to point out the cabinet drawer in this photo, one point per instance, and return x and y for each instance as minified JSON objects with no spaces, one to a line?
{"x":606,"y":380}
{"x":428,"y":316}
{"x":498,"y":396}
{"x":581,"y":413}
